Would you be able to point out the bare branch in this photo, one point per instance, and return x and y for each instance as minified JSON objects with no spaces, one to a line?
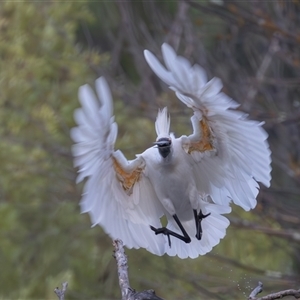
{"x":61,"y":293}
{"x":233,"y":12}
{"x":291,"y":235}
{"x":175,"y":33}
{"x":260,"y":74}
{"x":256,"y":291}
{"x":127,"y":292}
{"x":278,"y":295}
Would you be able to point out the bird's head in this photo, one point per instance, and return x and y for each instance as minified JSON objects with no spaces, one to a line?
{"x":164,"y":146}
{"x":162,"y":127}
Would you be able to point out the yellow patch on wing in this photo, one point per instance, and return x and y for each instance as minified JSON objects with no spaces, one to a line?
{"x":127,"y":179}
{"x":206,"y":142}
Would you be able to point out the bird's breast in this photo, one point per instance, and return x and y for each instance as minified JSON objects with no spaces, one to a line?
{"x":172,"y":181}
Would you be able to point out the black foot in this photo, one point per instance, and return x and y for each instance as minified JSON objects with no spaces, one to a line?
{"x":163,"y":230}
{"x":198,"y":218}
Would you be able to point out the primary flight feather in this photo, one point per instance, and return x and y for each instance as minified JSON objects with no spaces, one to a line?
{"x":191,"y":179}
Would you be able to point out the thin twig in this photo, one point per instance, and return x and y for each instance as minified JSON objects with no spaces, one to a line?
{"x":291,"y":235}
{"x":260,"y":74}
{"x":176,"y":29}
{"x":61,"y":293}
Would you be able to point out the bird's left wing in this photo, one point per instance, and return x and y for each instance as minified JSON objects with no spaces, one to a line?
{"x":229,"y":153}
{"x":117,"y":194}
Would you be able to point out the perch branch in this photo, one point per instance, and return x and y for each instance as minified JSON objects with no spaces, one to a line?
{"x":273,"y":296}
{"x":61,"y":293}
{"x":127,"y":292}
{"x":256,"y":291}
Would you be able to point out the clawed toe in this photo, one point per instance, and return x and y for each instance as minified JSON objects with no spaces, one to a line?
{"x":198,"y":219}
{"x":162,"y":230}
{"x":201,"y":216}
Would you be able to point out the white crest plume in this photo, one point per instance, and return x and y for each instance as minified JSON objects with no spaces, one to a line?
{"x":162,"y":123}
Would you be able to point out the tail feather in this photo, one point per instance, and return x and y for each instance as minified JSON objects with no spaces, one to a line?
{"x":213,"y":230}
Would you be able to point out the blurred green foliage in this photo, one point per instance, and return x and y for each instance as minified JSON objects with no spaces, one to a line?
{"x":41,"y":69}
{"x":44,"y":240}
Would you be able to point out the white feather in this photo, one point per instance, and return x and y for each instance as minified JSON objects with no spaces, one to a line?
{"x":162,"y":123}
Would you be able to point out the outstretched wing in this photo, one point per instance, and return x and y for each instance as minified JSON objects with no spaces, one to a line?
{"x":229,"y":153}
{"x":117,"y":194}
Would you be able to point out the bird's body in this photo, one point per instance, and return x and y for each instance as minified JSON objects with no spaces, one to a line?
{"x":191,"y":179}
{"x":172,"y":172}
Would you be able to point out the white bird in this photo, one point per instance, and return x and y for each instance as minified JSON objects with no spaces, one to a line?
{"x":191,"y":179}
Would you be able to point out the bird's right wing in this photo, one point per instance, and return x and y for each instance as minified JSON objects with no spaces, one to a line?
{"x":117,"y":194}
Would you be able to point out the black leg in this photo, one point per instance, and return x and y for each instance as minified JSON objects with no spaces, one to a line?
{"x":185,"y":237}
{"x":198,"y":218}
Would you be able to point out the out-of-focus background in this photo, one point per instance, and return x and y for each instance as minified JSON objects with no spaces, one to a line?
{"x":49,"y":48}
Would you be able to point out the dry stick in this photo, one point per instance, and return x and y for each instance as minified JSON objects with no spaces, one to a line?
{"x":256,"y":291}
{"x":278,"y":295}
{"x":176,"y":29}
{"x":127,"y":292}
{"x":287,"y":234}
{"x":61,"y":293}
{"x":260,"y":74}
